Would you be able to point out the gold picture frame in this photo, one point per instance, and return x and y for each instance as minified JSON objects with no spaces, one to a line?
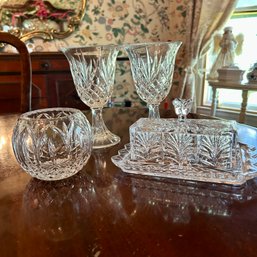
{"x":46,"y":19}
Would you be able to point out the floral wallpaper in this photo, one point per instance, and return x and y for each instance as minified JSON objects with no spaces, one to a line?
{"x":127,"y":21}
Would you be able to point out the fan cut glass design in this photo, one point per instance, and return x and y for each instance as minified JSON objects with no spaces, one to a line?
{"x":152,"y":67}
{"x":52,"y":144}
{"x":196,"y":149}
{"x":93,"y":72}
{"x":182,"y":144}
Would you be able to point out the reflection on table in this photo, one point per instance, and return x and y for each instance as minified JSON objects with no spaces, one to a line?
{"x":102,"y":211}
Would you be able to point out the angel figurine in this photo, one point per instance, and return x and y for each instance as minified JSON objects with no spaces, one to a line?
{"x":229,"y":46}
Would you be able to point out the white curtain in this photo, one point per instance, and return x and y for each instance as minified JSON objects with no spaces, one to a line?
{"x":205,"y":17}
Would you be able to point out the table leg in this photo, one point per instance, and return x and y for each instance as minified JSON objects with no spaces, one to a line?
{"x":214,"y":101}
{"x":243,"y":106}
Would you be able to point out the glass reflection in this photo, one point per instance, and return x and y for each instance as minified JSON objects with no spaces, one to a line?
{"x":107,"y":194}
{"x":54,"y":209}
{"x":175,"y":200}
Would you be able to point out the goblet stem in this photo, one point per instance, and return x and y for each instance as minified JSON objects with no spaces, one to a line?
{"x":154,"y":112}
{"x":102,"y":137}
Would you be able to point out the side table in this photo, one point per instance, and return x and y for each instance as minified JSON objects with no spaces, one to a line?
{"x":244,"y":87}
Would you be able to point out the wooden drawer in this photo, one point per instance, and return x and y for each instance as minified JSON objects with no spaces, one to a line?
{"x":51,"y":78}
{"x":49,"y":63}
{"x":9,"y":64}
{"x":41,"y":62}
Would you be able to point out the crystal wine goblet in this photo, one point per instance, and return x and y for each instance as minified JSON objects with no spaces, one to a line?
{"x":152,"y":66}
{"x":93,"y":72}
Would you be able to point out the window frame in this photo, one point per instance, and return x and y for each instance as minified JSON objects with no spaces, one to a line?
{"x":242,"y":12}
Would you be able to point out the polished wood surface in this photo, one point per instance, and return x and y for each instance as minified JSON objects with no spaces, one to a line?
{"x":103,"y":212}
{"x":8,"y":101}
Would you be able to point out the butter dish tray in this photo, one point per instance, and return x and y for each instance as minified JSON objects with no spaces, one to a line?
{"x":247,"y":170}
{"x":195,"y":149}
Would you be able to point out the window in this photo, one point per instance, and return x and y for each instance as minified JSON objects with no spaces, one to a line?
{"x":244,"y":20}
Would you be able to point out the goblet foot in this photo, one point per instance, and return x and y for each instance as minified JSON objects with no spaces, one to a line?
{"x":102,"y":136}
{"x":105,"y":139}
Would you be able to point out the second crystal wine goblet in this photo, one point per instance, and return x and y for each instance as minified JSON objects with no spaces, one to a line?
{"x":152,"y":66}
{"x":93,"y":72}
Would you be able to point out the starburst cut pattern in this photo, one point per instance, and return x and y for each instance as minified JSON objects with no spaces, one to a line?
{"x":216,"y":150}
{"x":152,"y":74}
{"x":148,"y":148}
{"x":93,"y":78}
{"x":192,"y":149}
{"x":178,"y":148}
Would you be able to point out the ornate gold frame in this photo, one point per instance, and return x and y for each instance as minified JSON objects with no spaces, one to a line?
{"x":72,"y":23}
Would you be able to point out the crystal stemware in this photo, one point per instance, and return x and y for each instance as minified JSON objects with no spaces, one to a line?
{"x":93,"y":72}
{"x":152,"y":66}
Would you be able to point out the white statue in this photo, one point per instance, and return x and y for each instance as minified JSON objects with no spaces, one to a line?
{"x":229,"y":45}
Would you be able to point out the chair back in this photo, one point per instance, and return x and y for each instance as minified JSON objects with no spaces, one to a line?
{"x":26,"y":70}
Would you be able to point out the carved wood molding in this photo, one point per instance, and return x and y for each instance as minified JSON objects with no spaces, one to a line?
{"x":41,"y":19}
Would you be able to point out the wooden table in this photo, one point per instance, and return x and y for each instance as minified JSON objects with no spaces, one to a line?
{"x":103,"y":212}
{"x":244,"y":87}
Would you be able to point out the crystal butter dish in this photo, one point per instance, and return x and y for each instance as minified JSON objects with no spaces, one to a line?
{"x":194,"y":149}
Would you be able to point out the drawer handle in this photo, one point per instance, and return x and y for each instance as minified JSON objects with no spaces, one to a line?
{"x":45,"y":65}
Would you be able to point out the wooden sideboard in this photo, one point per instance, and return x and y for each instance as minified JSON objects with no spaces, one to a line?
{"x":52,"y":81}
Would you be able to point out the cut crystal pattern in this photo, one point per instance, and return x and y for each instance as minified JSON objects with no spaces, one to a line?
{"x":52,"y":144}
{"x":93,"y":71}
{"x":93,"y":76}
{"x":170,"y":141}
{"x":204,"y":150}
{"x":182,"y":107}
{"x":152,"y":66}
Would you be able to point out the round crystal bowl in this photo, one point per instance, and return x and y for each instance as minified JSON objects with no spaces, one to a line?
{"x":52,"y":144}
